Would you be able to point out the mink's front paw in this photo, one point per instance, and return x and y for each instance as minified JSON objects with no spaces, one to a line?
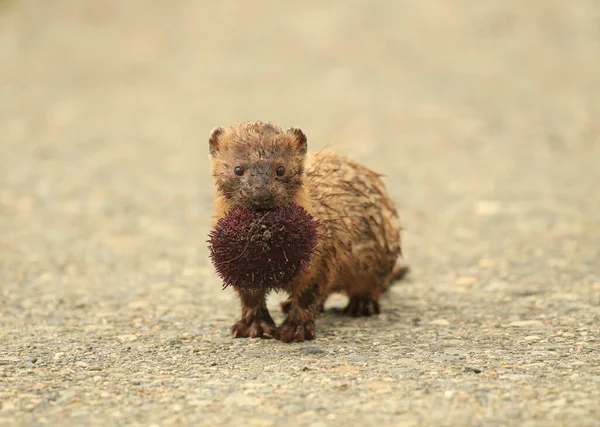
{"x":361,"y":307}
{"x":296,"y":332}
{"x":256,"y":328}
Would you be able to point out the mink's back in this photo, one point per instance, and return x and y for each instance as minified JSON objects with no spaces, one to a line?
{"x":360,"y":229}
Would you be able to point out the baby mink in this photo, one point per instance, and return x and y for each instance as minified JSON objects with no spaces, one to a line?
{"x":260,"y":166}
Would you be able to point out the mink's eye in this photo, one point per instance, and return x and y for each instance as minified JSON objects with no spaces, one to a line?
{"x":239,"y":171}
{"x":280,"y":171}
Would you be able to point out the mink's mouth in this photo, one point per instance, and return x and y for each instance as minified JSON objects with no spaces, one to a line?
{"x":260,"y":204}
{"x":263,"y":206}
{"x":270,"y":206}
{"x":255,"y":207}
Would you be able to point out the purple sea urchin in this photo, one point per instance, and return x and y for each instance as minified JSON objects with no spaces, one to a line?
{"x":262,"y":249}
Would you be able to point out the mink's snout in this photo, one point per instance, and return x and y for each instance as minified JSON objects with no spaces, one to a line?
{"x":261,"y":191}
{"x":262,"y":199}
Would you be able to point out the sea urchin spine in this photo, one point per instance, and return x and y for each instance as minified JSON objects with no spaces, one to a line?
{"x":263,"y":249}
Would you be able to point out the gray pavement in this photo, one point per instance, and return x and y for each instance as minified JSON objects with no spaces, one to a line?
{"x":484,"y":117}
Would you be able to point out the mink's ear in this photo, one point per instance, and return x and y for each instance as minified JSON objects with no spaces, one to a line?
{"x":300,"y":139}
{"x":213,"y":141}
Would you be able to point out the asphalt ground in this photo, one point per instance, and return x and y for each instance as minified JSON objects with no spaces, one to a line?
{"x":482,"y":115}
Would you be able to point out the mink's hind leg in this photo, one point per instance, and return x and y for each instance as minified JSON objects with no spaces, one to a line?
{"x":286,"y":306}
{"x":256,"y":322}
{"x":362,"y":306}
{"x":363,"y":294}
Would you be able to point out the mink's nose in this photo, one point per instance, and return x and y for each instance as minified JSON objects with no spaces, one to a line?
{"x":262,"y":200}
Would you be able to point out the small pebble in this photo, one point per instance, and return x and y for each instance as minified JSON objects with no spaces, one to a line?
{"x":312,"y":350}
{"x":526,"y":324}
{"x":475,"y":369}
{"x":126,"y":338}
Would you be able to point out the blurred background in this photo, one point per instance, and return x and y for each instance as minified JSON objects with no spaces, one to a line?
{"x":483,"y":115}
{"x":467,"y":106}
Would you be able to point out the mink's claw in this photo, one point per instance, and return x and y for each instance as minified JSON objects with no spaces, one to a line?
{"x":257,"y":328}
{"x":296,"y":332}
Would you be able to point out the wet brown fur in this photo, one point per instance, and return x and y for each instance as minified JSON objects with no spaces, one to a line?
{"x":359,"y":247}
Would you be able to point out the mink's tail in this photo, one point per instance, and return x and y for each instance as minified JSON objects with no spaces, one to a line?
{"x":399,"y":272}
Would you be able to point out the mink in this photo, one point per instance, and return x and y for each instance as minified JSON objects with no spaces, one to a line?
{"x":260,"y":166}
